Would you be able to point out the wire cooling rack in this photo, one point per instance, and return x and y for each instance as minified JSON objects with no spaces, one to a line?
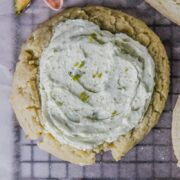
{"x":153,"y":157}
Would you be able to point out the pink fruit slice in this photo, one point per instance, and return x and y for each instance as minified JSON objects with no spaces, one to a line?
{"x":54,"y":4}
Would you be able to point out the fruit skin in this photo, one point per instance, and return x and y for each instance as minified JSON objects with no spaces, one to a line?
{"x":20,"y":5}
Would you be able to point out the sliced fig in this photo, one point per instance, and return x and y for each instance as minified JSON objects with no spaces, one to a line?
{"x":54,"y":4}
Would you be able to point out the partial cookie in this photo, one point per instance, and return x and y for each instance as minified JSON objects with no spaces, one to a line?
{"x":175,"y":130}
{"x":25,"y":93}
{"x":168,"y":8}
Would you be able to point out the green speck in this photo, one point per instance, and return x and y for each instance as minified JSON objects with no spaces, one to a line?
{"x":122,"y":88}
{"x":93,"y":37}
{"x":84,"y":97}
{"x":81,"y":64}
{"x":126,"y":40}
{"x":60,"y":103}
{"x":114,"y":113}
{"x":99,"y":75}
{"x":135,"y":109}
{"x":55,"y":50}
{"x":76,"y":64}
{"x":125,"y":48}
{"x":126,"y":69}
{"x":94,"y":75}
{"x":94,"y":116}
{"x":76,"y":77}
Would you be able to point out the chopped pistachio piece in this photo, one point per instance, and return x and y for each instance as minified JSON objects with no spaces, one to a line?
{"x":136,"y":109}
{"x":93,"y":38}
{"x":94,"y":75}
{"x":114,"y":113}
{"x":84,"y":97}
{"x":76,"y":64}
{"x":76,"y":77}
{"x":126,"y":70}
{"x":98,"y":75}
{"x":81,"y":64}
{"x":60,"y":103}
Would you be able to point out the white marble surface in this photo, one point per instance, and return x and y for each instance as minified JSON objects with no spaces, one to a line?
{"x":6,"y":64}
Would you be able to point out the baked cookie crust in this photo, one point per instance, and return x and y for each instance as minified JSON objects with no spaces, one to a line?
{"x":25,"y":96}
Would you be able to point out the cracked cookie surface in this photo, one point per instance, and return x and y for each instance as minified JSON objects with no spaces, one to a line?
{"x":25,"y":92}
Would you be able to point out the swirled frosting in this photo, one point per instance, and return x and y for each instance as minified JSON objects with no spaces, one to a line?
{"x":94,"y":85}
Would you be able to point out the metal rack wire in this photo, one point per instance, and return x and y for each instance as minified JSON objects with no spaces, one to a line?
{"x":152,"y":158}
